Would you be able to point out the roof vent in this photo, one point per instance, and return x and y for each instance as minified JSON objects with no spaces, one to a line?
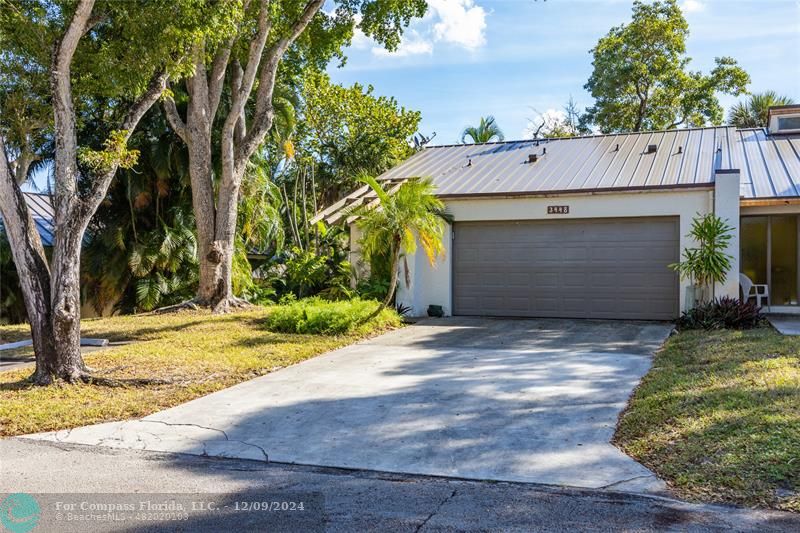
{"x":651,"y":148}
{"x":532,"y":158}
{"x":784,"y":119}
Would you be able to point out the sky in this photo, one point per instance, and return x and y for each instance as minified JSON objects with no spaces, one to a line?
{"x":515,"y":59}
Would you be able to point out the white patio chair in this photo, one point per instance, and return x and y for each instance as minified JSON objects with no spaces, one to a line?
{"x":751,"y":290}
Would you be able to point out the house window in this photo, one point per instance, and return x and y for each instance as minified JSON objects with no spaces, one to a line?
{"x":788,"y":123}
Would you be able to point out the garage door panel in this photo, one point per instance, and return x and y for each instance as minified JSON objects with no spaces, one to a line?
{"x":610,"y":268}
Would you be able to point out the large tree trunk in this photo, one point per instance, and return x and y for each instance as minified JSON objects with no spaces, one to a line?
{"x":216,"y":221}
{"x":66,"y":302}
{"x":32,"y":267}
{"x":52,"y":292}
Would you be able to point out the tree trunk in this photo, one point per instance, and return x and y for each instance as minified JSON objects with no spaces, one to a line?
{"x":216,"y":222}
{"x":66,"y":301}
{"x":395,"y":267}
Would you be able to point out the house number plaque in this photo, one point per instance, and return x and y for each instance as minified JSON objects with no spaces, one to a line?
{"x":557,"y":209}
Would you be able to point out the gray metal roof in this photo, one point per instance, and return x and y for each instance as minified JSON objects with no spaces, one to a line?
{"x":41,"y":209}
{"x":770,"y":165}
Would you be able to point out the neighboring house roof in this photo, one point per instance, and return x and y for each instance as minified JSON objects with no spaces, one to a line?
{"x":769,"y":165}
{"x":333,"y":213}
{"x":41,"y":209}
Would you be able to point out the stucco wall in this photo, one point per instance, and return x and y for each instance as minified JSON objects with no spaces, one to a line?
{"x":432,"y":284}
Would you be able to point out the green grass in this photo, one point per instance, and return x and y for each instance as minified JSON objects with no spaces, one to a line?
{"x":317,"y":316}
{"x":199,"y":352}
{"x":718,"y":417}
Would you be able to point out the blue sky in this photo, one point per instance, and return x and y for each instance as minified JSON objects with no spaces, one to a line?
{"x":512,"y":58}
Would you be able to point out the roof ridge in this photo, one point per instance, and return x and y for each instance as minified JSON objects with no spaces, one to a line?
{"x":592,"y":136}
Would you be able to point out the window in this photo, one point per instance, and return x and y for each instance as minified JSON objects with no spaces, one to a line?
{"x":788,"y":123}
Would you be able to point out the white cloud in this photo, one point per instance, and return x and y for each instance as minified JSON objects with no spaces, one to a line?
{"x":543,"y":122}
{"x":460,"y":23}
{"x":412,"y":44}
{"x":692,"y":6}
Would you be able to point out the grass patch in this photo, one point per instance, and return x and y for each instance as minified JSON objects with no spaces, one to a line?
{"x":317,"y":316}
{"x":202,"y":353}
{"x":718,"y":417}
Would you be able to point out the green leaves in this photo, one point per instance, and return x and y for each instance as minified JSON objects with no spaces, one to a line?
{"x":641,"y":81}
{"x":487,"y":130}
{"x":410,"y":210}
{"x":753,"y":112}
{"x":708,"y":263}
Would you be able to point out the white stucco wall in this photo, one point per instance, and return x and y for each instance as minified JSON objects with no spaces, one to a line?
{"x":433,"y":284}
{"x":726,"y":207}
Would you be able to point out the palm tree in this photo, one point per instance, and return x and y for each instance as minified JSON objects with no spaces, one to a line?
{"x":752,"y":113}
{"x":484,"y":132}
{"x":400,"y":218}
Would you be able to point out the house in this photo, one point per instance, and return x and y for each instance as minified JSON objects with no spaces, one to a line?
{"x":40,"y":206}
{"x":586,"y":227}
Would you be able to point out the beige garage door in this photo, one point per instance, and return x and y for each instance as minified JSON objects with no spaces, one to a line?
{"x":591,"y":268}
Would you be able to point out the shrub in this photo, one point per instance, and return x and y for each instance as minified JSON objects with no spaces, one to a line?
{"x":318,"y":316}
{"x":723,"y":313}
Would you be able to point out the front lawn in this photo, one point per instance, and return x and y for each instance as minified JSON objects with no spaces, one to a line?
{"x":197,"y":352}
{"x":718,"y":417}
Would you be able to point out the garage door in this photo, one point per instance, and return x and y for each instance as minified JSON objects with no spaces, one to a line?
{"x":591,"y":268}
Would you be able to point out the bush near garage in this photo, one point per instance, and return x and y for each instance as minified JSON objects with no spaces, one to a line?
{"x":722,"y":313}
{"x":318,"y":316}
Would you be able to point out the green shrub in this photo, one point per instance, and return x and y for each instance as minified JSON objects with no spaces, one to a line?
{"x":318,"y":316}
{"x":723,"y":313}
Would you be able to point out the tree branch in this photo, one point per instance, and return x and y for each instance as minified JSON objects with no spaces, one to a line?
{"x":247,"y":78}
{"x":175,"y":121}
{"x":63,"y":111}
{"x":217,"y":81}
{"x":262,"y":119}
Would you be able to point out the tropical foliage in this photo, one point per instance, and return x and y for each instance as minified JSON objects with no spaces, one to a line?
{"x":753,"y":112}
{"x":12,"y":307}
{"x":318,"y":316}
{"x":708,"y":262}
{"x":402,"y":217}
{"x":722,"y":313}
{"x":486,"y":131}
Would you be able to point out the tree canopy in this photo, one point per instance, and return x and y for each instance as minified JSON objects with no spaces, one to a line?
{"x":350,"y":131}
{"x":641,"y":80}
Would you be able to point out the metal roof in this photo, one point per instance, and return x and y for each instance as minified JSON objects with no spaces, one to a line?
{"x":769,"y":165}
{"x":333,"y":213}
{"x":41,"y":209}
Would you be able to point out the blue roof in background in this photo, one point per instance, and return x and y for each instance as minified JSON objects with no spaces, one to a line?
{"x":41,"y":209}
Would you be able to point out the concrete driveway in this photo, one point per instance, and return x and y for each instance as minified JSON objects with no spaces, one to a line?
{"x":515,"y":400}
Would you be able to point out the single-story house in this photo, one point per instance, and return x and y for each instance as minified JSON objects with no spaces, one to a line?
{"x":586,"y":227}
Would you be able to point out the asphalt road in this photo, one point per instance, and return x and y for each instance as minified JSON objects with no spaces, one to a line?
{"x":342,"y":500}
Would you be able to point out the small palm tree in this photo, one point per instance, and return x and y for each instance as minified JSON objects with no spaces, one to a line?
{"x":487,"y":130}
{"x":401,"y":217}
{"x":753,"y":112}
